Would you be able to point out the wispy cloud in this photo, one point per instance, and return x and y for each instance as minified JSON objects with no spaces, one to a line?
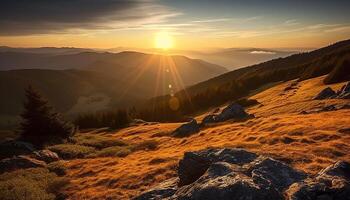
{"x":212,"y":20}
{"x":322,"y":26}
{"x":338,"y":29}
{"x":291,"y":22}
{"x":263,"y":52}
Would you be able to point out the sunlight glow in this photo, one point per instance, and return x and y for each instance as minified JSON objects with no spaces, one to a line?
{"x":164,"y":41}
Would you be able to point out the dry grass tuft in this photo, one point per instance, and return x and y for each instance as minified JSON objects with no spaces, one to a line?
{"x":71,"y":151}
{"x":36,"y":183}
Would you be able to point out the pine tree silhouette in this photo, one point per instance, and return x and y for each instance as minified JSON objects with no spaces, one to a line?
{"x":40,"y":124}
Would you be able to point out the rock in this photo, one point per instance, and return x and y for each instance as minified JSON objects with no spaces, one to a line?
{"x":235,"y":174}
{"x":232,"y":111}
{"x":325,"y":94}
{"x":222,"y":182}
{"x":19,"y":162}
{"x":304,"y":112}
{"x":161,"y":191}
{"x":191,"y":167}
{"x":194,"y":164}
{"x":216,"y":110}
{"x":330,"y":183}
{"x":329,"y":108}
{"x":209,"y":119}
{"x":138,"y":121}
{"x":13,"y":148}
{"x":340,"y":169}
{"x":187,"y":129}
{"x":46,"y":155}
{"x":267,"y":172}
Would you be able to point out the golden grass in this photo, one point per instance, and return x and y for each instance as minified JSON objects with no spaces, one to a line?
{"x":307,"y":142}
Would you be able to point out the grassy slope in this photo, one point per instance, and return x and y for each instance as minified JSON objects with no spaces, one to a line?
{"x":308,"y":142}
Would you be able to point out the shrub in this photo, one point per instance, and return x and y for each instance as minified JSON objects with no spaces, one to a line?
{"x":57,"y":168}
{"x":96,"y":141}
{"x":70,"y":151}
{"x":35,"y":183}
{"x":40,"y":124}
{"x":122,"y":151}
{"x":146,"y":145}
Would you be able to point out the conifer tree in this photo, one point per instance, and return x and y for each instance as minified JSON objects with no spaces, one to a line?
{"x":40,"y":124}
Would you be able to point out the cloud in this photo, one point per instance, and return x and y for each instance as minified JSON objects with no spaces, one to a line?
{"x":25,"y":17}
{"x":291,"y":22}
{"x":263,"y":52}
{"x":338,"y":29}
{"x":212,"y":20}
{"x":321,"y":26}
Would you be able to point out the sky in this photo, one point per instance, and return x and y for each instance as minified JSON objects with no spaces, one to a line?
{"x":191,"y":24}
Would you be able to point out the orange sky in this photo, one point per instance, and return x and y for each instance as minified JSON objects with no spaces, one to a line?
{"x":192,"y":25}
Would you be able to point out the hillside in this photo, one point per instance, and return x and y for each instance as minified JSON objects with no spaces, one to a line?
{"x":322,"y":60}
{"x":307,"y":142}
{"x":333,"y":59}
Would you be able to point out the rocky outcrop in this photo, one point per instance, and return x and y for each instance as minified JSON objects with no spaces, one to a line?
{"x":46,"y":155}
{"x":223,"y":181}
{"x":230,"y":174}
{"x":267,"y":172}
{"x":232,"y":111}
{"x":325,"y":94}
{"x":187,"y":129}
{"x":161,"y":191}
{"x":330,"y":183}
{"x":19,"y":162}
{"x":343,"y":93}
{"x":210,"y":119}
{"x":13,"y":148}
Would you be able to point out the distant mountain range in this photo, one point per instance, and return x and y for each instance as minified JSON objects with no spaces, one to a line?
{"x":231,"y":58}
{"x":90,"y":81}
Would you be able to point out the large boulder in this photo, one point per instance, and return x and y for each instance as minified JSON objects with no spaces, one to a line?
{"x":235,"y":174}
{"x":232,"y":111}
{"x":268,"y":172}
{"x":228,"y":174}
{"x":14,"y":147}
{"x":19,"y":162}
{"x":187,"y":129}
{"x":332,"y":183}
{"x":222,"y":181}
{"x":46,"y":155}
{"x":194,"y":164}
{"x":325,"y":94}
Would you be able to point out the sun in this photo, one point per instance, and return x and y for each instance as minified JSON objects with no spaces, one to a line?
{"x":164,"y":40}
